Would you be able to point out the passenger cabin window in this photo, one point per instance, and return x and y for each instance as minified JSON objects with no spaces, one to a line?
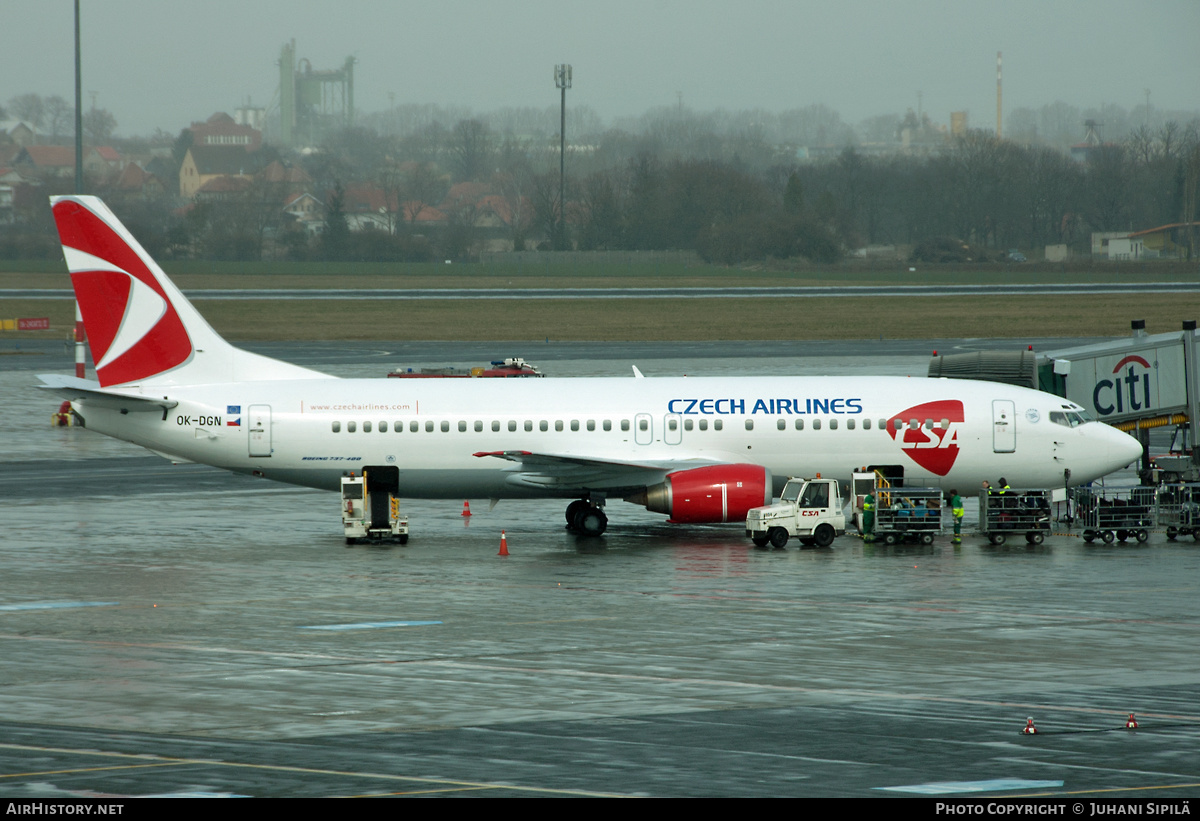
{"x":849,"y":424}
{"x":718,"y":424}
{"x":429,"y":427}
{"x":495,"y":426}
{"x":351,"y":427}
{"x":383,"y":427}
{"x":866,"y":424}
{"x":445,"y":427}
{"x":543,"y":425}
{"x":337,"y":427}
{"x":366,"y":427}
{"x":799,"y":424}
{"x":749,"y":424}
{"x":478,"y":426}
{"x":462,"y":426}
{"x":512,"y":425}
{"x":608,"y":424}
{"x":703,"y":424}
{"x":413,"y":427}
{"x":833,"y":424}
{"x":816,"y":424}
{"x":625,"y":424}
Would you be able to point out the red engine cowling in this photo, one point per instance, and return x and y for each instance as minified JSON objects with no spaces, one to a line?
{"x":717,"y":493}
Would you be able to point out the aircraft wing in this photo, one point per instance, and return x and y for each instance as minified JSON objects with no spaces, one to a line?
{"x":74,"y":388}
{"x":565,"y":471}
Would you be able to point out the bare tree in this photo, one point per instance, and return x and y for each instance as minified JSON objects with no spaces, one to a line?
{"x":30,"y":108}
{"x":471,"y":146}
{"x":60,"y":115}
{"x":98,"y":126}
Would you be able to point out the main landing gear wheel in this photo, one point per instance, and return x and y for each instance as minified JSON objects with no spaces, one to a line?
{"x":590,"y":521}
{"x":574,"y":509}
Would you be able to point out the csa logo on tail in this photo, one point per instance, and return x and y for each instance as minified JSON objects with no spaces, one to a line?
{"x":132,"y":327}
{"x":936,"y":448}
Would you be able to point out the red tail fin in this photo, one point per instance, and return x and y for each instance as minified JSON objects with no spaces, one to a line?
{"x":132,"y":326}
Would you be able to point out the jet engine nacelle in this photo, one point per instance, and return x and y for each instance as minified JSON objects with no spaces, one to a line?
{"x":717,"y":493}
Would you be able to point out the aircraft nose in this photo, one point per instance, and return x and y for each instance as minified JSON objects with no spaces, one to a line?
{"x":1124,"y":448}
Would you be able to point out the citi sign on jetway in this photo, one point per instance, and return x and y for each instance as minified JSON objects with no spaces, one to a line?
{"x":1131,"y":384}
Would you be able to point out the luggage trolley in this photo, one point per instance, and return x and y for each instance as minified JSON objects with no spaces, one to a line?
{"x":1179,"y":510}
{"x":1015,"y":511}
{"x":1115,"y":513}
{"x":908,"y":513}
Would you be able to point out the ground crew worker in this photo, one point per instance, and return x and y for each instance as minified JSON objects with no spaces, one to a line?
{"x":956,"y":508}
{"x":869,"y":517}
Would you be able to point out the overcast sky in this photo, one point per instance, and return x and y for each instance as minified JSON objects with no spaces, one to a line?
{"x":164,"y":63}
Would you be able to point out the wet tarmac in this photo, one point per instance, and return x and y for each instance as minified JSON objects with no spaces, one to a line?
{"x":173,"y":630}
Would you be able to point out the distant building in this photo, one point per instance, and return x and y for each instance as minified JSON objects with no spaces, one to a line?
{"x":135,"y":181}
{"x":1057,"y":253}
{"x":1125,"y":248}
{"x":1167,"y":240}
{"x":202,"y":164}
{"x":222,"y":130}
{"x":45,"y":161}
{"x":1101,"y":239}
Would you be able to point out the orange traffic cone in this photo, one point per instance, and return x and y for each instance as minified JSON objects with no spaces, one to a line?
{"x":503,"y":544}
{"x":466,"y":508}
{"x":1029,"y":728}
{"x":1131,"y":723}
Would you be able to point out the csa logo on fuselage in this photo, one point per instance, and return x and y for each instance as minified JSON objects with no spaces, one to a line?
{"x":935,"y":447}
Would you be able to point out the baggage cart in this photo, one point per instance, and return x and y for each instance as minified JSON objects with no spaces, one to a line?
{"x":1015,"y":512}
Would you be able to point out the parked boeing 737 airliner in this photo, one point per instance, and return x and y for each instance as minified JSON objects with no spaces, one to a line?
{"x":696,"y":449}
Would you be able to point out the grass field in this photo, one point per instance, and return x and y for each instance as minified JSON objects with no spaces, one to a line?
{"x":666,"y":320}
{"x":599,"y":274}
{"x":644,"y":320}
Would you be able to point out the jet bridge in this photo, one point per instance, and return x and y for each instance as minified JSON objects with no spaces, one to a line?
{"x":1136,"y":385}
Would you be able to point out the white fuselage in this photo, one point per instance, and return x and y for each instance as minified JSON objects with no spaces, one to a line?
{"x":955,"y":433}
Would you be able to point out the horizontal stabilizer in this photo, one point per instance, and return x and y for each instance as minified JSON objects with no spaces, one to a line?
{"x":84,"y":390}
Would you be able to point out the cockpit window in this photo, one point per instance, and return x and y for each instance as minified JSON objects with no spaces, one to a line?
{"x":1070,"y":419}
